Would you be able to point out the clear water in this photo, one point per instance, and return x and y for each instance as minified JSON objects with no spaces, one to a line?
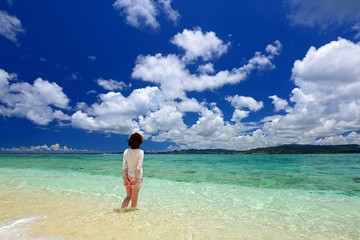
{"x":184,"y":197}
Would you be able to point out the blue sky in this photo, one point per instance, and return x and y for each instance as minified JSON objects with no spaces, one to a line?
{"x":186,"y":74}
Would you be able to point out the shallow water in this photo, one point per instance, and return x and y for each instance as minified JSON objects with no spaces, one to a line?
{"x":184,"y":197}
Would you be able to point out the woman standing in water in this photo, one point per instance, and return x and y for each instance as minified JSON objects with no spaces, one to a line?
{"x":132,"y":171}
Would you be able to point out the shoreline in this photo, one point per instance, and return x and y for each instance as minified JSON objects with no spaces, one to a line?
{"x":257,"y":214}
{"x":47,"y":215}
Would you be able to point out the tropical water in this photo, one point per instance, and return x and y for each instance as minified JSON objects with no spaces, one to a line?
{"x":183,"y":197}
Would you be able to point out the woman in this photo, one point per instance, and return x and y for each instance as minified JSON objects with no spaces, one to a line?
{"x":132,"y":171}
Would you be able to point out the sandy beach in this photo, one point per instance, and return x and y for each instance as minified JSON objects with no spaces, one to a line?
{"x":45,"y":215}
{"x":31,"y":214}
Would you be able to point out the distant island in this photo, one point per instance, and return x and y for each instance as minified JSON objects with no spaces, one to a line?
{"x":283,"y":149}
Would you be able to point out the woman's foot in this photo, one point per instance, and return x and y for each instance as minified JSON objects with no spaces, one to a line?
{"x":122,"y":210}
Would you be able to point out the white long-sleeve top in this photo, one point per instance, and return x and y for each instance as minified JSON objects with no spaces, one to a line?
{"x":132,"y":161}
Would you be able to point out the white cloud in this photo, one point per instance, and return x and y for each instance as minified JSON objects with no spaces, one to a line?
{"x":116,"y":113}
{"x":189,"y":105}
{"x":279,"y":103}
{"x":323,"y":13}
{"x":166,"y":118}
{"x":206,"y":68}
{"x":167,"y":71}
{"x":326,"y":99}
{"x":240,"y":102}
{"x":239,"y":115}
{"x":351,"y":138}
{"x":333,"y":68}
{"x":138,"y":13}
{"x":274,"y":49}
{"x":212,"y":131}
{"x":326,"y":108}
{"x":209,"y":131}
{"x":10,"y":26}
{"x":55,"y":148}
{"x":143,"y":13}
{"x":34,"y":102}
{"x":111,"y":84}
{"x":159,"y":111}
{"x":200,"y":45}
{"x":208,"y":124}
{"x":175,"y":79}
{"x":169,"y":11}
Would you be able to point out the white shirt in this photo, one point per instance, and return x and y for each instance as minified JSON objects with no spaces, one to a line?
{"x":132,"y":161}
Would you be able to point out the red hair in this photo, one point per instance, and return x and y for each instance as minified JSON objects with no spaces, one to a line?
{"x":135,"y":140}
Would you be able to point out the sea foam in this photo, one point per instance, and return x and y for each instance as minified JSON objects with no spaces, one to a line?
{"x":18,"y":228}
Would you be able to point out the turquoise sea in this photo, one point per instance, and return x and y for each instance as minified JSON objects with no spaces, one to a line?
{"x":184,"y":197}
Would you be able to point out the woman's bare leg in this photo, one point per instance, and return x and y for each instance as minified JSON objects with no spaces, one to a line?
{"x":134,"y":198}
{"x":126,"y":201}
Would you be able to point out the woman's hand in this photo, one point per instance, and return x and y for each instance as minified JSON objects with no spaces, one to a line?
{"x":132,"y":181}
{"x":126,"y":181}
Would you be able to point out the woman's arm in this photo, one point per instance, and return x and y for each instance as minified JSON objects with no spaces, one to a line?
{"x":125,"y":177}
{"x":124,"y":168}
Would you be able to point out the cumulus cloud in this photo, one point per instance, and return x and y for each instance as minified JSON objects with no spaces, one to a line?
{"x":279,"y":103}
{"x":166,"y":118}
{"x":323,"y":13}
{"x":40,"y":102}
{"x":116,"y":113}
{"x":326,"y":99}
{"x":158,"y":112}
{"x":172,"y":72}
{"x":240,"y":102}
{"x":166,"y":71}
{"x":10,"y":26}
{"x":144,"y":13}
{"x":55,"y":148}
{"x":239,"y":115}
{"x":174,"y":78}
{"x":198,"y":44}
{"x":189,"y":105}
{"x":206,"y":68}
{"x":351,"y":138}
{"x":209,"y":131}
{"x":111,"y":84}
{"x":325,"y":108}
